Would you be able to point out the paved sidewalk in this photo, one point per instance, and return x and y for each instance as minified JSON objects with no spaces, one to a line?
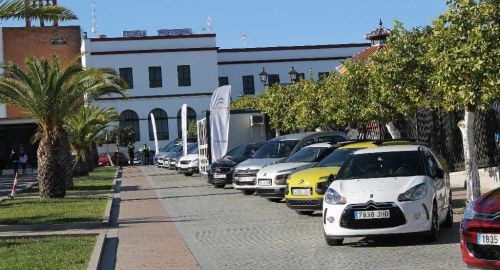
{"x":147,"y":236}
{"x":7,"y":180}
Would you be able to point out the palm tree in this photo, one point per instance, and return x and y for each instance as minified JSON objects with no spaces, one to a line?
{"x":49,"y":93}
{"x":83,"y":127}
{"x":23,"y":10}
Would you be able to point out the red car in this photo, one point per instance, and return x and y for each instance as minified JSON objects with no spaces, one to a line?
{"x":480,"y":231}
{"x":104,"y":161}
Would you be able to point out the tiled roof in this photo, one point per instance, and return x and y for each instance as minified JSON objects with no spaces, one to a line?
{"x":362,"y":56}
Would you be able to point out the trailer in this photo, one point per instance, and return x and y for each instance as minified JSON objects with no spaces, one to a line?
{"x":245,"y":127}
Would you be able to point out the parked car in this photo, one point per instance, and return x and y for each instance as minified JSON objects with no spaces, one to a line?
{"x":169,"y":146}
{"x":118,"y":159}
{"x":170,"y":161}
{"x":275,"y":150}
{"x":305,"y":189}
{"x":271,"y":179}
{"x":480,"y":231}
{"x":188,"y":164}
{"x":384,"y":190}
{"x":220,"y":172}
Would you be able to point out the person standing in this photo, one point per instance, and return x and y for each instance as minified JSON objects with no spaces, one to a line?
{"x":14,"y":160}
{"x":23,"y":160}
{"x":131,"y":149}
{"x":145,"y":154}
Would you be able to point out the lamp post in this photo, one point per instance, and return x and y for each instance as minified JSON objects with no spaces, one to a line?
{"x":293,"y":75}
{"x":263,"y":77}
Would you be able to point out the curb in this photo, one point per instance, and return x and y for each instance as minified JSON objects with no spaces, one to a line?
{"x":95,"y":258}
{"x":51,"y":227}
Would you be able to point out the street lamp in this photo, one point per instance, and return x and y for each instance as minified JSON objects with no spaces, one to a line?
{"x":293,"y":75}
{"x":263,"y":76}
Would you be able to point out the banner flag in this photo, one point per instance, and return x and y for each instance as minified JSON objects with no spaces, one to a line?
{"x":153,"y":123}
{"x":219,"y":121}
{"x":184,"y":128}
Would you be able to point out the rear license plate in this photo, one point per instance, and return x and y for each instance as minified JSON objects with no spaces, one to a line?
{"x":488,"y":239}
{"x":264,"y":182}
{"x":372,"y":214}
{"x":220,"y":176}
{"x":246,"y":179}
{"x":301,"y":191}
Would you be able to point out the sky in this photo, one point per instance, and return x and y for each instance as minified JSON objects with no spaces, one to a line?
{"x":265,"y":22}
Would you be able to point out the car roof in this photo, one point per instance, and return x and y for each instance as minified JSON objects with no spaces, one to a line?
{"x":389,"y":148}
{"x":302,"y":135}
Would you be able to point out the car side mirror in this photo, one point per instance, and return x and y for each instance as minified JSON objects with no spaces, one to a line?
{"x":330,"y":178}
{"x":439,"y":173}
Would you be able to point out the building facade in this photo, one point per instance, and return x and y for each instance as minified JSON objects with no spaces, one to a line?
{"x":164,"y":72}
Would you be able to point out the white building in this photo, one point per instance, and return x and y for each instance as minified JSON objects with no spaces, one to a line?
{"x":164,"y":72}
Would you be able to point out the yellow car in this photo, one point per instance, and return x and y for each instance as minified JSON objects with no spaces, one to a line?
{"x":305,"y":189}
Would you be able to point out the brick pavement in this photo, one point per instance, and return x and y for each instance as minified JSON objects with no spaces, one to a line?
{"x":226,"y":230}
{"x":148,"y":238}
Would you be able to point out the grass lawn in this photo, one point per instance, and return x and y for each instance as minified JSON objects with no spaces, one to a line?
{"x":74,"y":209}
{"x":52,"y":211}
{"x":101,"y":179}
{"x":46,"y":253}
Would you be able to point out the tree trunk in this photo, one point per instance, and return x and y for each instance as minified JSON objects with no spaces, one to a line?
{"x":28,"y":20}
{"x":393,"y":130}
{"x":94,"y":157}
{"x":471,"y":170}
{"x":54,"y":164}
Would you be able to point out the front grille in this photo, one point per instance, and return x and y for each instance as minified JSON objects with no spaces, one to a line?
{"x":246,"y":173}
{"x":484,"y":252}
{"x":221,"y":170}
{"x":347,"y":220}
{"x":266,"y":191}
{"x":249,"y":183}
{"x":304,"y":202}
{"x":185,"y":162}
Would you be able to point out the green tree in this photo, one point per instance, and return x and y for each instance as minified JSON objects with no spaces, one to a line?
{"x":400,"y":72}
{"x":246,"y":103}
{"x":464,"y":49}
{"x":308,"y":109}
{"x":26,"y":10}
{"x":49,"y":93}
{"x":83,"y":127}
{"x":276,"y":102}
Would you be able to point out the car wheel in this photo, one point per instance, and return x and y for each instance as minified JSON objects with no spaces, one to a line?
{"x":334,"y":241}
{"x":275,"y":199}
{"x":247,"y":191}
{"x":308,"y":213}
{"x":433,"y":234}
{"x":219,"y":186}
{"x":188,"y":173}
{"x":448,"y":223}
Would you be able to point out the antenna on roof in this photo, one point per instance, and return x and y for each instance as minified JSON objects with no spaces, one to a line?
{"x":94,"y":19}
{"x":208,"y":29}
{"x":243,"y":37}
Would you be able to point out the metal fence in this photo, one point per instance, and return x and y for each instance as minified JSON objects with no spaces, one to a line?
{"x":439,"y":129}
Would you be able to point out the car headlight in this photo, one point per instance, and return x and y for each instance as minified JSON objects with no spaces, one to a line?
{"x":281,"y":179}
{"x":333,"y":197}
{"x":469,"y":212}
{"x":417,"y":192}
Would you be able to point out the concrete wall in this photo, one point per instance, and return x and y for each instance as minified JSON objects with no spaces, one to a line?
{"x":489,"y":179}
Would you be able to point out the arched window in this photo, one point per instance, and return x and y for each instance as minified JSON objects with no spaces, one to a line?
{"x":129,"y":118}
{"x":191,"y":117}
{"x":161,"y":120}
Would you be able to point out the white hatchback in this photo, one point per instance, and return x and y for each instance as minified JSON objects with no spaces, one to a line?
{"x":394,"y":189}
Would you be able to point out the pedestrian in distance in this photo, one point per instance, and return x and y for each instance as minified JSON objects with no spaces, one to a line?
{"x":145,"y":154}
{"x":23,"y":160}
{"x":131,"y":149}
{"x":14,"y":160}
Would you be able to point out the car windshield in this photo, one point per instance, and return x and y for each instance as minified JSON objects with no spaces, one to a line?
{"x":308,"y":154}
{"x":169,"y":146}
{"x":276,"y":149}
{"x":383,"y":164}
{"x":336,"y":158}
{"x":177,"y":148}
{"x":193,"y":149}
{"x":243,"y":151}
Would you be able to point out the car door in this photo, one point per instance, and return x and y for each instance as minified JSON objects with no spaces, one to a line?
{"x":438,"y":183}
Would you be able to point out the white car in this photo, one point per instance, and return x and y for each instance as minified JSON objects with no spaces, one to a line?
{"x":188,"y":164}
{"x":272,"y":179}
{"x":384,"y":190}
